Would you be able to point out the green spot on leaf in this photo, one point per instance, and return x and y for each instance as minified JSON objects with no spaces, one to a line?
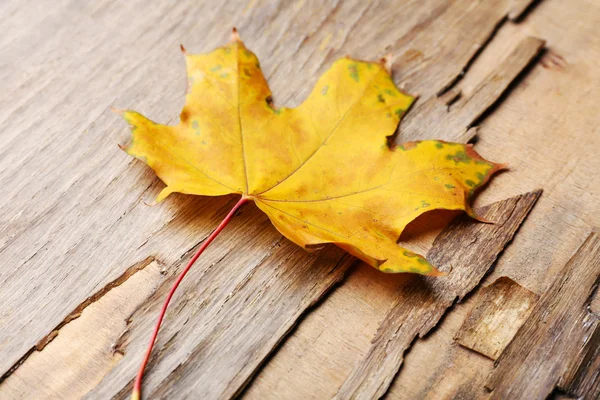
{"x":324,"y":90}
{"x":460,"y":156}
{"x":439,"y":145}
{"x":449,"y":186}
{"x":196,"y":127}
{"x":470,"y":182}
{"x":353,"y":68}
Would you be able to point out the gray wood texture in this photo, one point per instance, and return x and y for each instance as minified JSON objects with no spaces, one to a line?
{"x":85,"y":263}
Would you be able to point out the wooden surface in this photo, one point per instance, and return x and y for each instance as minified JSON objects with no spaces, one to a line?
{"x":561,"y":335}
{"x":499,"y":311}
{"x":85,"y":262}
{"x":466,"y":251}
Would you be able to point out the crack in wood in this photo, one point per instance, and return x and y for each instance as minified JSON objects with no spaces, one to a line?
{"x":421,"y":305}
{"x":561,"y":334}
{"x":460,"y":112}
{"x":76,"y":313}
{"x":85,"y":346}
{"x":174,"y":21}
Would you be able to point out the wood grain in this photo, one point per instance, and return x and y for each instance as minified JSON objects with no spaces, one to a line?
{"x":287,"y":372}
{"x":466,"y":250}
{"x":73,"y":213}
{"x":547,"y":131}
{"x":500,"y":310}
{"x":558,"y":343}
{"x":73,"y":218}
{"x":90,"y":335}
{"x":460,"y":111}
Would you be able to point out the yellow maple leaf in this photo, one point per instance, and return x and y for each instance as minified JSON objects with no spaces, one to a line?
{"x":323,"y":172}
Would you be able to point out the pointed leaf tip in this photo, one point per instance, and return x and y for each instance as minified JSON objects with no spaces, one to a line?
{"x":386,"y":62}
{"x":116,"y":110}
{"x":151,"y":204}
{"x":235,"y":36}
{"x":436,"y":272}
{"x":183,"y":50}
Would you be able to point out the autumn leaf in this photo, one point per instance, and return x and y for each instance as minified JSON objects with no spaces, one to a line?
{"x":322,"y":172}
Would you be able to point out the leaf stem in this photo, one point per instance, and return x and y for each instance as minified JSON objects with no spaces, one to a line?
{"x":137,"y":387}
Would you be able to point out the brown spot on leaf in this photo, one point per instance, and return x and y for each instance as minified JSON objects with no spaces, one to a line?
{"x":185,"y":115}
{"x":408,"y":145}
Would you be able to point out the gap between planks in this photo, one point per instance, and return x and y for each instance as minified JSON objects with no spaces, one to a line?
{"x":248,"y":368}
{"x":556,"y":350}
{"x":467,"y":251}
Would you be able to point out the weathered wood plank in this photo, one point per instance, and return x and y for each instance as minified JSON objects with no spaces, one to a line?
{"x":500,"y":310}
{"x":449,"y":372}
{"x":460,"y":112}
{"x":558,"y":343}
{"x":90,"y":334}
{"x":547,"y":131}
{"x":73,"y":214}
{"x":584,"y":381}
{"x":215,"y":350}
{"x":517,"y":60}
{"x":466,"y":250}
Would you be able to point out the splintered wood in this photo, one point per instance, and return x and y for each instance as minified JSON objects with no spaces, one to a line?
{"x":557,"y":347}
{"x":91,"y":335}
{"x":501,"y":309}
{"x":85,"y":264}
{"x":87,"y":224}
{"x":458,"y":111}
{"x":466,"y":251}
